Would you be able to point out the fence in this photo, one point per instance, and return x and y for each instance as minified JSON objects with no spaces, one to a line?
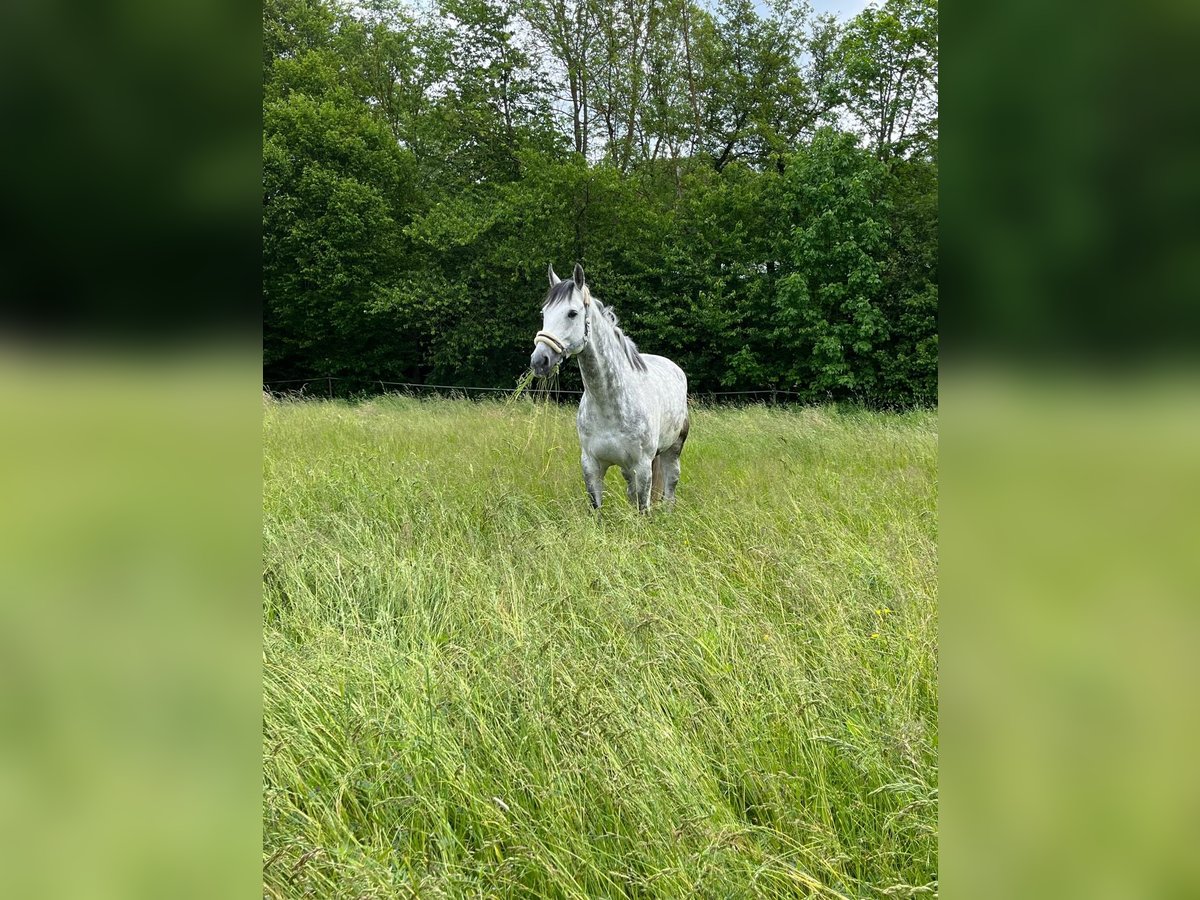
{"x":326,"y":382}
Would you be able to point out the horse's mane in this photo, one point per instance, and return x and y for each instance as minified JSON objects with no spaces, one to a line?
{"x":626,"y":343}
{"x":563,"y":291}
{"x":560,"y":292}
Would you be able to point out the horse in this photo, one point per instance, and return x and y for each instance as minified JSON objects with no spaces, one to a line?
{"x":633,"y":413}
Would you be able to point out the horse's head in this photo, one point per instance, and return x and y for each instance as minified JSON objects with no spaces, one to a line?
{"x":566,"y":322}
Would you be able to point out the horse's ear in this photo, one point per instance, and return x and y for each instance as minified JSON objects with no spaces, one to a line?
{"x":554,"y":279}
{"x":578,"y":276}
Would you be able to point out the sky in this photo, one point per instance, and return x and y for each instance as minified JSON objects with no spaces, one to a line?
{"x":843,"y":9}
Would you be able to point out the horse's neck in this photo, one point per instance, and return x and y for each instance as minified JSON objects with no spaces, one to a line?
{"x":603,"y":365}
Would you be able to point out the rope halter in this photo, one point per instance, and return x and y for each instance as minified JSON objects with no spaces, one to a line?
{"x":557,"y":345}
{"x":545,"y":337}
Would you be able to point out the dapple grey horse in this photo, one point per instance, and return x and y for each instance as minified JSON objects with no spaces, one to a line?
{"x":634,"y":409}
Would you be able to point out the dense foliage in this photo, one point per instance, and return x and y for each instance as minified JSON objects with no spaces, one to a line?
{"x":755,"y":194}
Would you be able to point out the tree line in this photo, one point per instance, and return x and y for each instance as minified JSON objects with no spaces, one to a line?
{"x":754,"y":192}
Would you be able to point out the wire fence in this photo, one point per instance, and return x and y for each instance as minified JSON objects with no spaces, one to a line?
{"x":324,"y":385}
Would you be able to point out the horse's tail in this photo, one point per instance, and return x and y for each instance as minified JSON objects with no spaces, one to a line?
{"x":656,"y":478}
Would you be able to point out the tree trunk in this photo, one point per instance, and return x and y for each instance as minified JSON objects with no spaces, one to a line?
{"x":691,"y":77}
{"x":575,"y":110}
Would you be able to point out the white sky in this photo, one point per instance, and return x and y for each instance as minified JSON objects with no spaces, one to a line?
{"x":843,"y":9}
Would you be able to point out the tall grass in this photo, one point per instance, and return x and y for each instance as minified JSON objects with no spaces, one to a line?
{"x":476,"y":687}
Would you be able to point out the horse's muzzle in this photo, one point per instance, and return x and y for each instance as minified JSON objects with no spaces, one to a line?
{"x":544,"y":360}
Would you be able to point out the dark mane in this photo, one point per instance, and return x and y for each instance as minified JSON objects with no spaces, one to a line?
{"x":559,"y":293}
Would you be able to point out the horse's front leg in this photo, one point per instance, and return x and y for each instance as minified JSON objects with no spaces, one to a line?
{"x":637,"y":484}
{"x":593,"y":479}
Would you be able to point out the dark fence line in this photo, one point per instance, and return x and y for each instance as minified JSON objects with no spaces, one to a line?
{"x":328,"y":381}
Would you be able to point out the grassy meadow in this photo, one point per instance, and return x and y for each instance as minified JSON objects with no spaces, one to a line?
{"x":474,"y":686}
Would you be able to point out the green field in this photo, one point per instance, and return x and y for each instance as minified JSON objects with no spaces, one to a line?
{"x":476,"y":687}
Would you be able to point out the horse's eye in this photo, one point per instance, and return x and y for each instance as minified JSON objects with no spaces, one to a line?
{"x":572,"y":314}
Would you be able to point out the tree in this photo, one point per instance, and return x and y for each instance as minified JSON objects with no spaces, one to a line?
{"x":420,"y":169}
{"x":889,"y":63}
{"x":828,"y":311}
{"x":568,"y":31}
{"x":336,"y":190}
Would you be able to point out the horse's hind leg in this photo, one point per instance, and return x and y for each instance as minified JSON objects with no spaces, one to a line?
{"x":656,"y":479}
{"x":670,"y":464}
{"x":670,"y":474}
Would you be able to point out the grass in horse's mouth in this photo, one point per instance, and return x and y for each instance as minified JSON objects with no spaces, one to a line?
{"x":546,"y":383}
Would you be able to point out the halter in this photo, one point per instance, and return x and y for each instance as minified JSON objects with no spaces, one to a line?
{"x":545,"y":337}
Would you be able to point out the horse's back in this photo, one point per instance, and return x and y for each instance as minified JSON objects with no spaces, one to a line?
{"x":666,"y":371}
